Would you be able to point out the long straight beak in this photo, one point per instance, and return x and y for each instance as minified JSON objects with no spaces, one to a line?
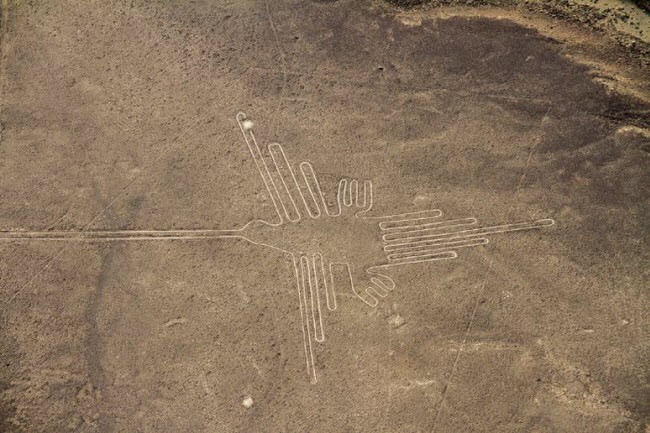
{"x":116,"y":235}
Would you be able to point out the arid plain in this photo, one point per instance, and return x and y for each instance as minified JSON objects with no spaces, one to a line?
{"x":131,"y":302}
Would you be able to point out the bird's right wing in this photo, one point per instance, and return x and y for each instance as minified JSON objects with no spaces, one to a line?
{"x":293,"y":196}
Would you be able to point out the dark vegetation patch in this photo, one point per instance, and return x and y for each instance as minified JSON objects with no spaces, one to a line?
{"x":595,"y":18}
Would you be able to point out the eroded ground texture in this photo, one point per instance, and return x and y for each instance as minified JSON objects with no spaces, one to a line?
{"x":120,"y":115}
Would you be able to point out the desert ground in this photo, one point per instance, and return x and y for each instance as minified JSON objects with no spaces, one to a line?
{"x":324,"y":216}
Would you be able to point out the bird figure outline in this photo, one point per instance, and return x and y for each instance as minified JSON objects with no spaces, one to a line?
{"x":333,"y":245}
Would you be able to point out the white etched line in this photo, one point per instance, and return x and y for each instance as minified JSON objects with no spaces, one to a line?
{"x":354,"y":192}
{"x":407,"y":219}
{"x":409,"y":231}
{"x":340,"y":192}
{"x":361,"y":195}
{"x":379,"y":287}
{"x":311,"y":368}
{"x":367,"y":198}
{"x":325,"y":282}
{"x":305,"y":269}
{"x":280,"y":166}
{"x":286,"y":198}
{"x":376,"y":291}
{"x":310,"y":179}
{"x":329,"y":288}
{"x":314,"y":284}
{"x":305,"y":332}
{"x":117,"y":235}
{"x":273,"y":182}
{"x":259,"y":163}
{"x":397,"y":226}
{"x":294,"y":188}
{"x":475,"y":232}
{"x":421,"y":259}
{"x":385,"y":281}
{"x":125,"y":239}
{"x":262,"y":168}
{"x":370,"y":300}
{"x":431,"y":250}
{"x":435,"y":244}
{"x":416,"y":255}
{"x":344,"y":191}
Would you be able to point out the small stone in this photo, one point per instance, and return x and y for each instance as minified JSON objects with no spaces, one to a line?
{"x":248,"y":402}
{"x":247,"y":124}
{"x":396,"y":320}
{"x":173,"y":322}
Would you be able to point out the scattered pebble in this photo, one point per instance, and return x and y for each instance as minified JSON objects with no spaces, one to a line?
{"x":173,"y":322}
{"x":634,"y":130}
{"x":248,"y":402}
{"x":396,"y":320}
{"x":410,"y":21}
{"x":422,"y":199}
{"x":247,"y":124}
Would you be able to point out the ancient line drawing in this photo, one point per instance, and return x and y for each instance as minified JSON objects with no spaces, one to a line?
{"x":333,"y":246}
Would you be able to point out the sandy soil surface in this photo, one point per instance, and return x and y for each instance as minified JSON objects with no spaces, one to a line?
{"x":131,"y":301}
